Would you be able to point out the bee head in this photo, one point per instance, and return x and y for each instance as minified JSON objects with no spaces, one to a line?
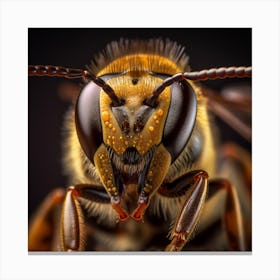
{"x":135,"y":123}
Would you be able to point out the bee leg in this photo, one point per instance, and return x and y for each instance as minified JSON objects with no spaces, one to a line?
{"x":191,"y":210}
{"x":232,"y":217}
{"x":71,"y":221}
{"x":72,"y":227}
{"x":42,"y":224}
{"x":233,"y":156}
{"x":236,"y":166}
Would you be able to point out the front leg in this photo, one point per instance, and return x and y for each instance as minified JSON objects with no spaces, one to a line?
{"x":190,"y":213}
{"x":72,"y":226}
{"x":195,"y":184}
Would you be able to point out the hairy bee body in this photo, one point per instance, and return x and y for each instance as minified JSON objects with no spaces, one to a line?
{"x":199,"y":153}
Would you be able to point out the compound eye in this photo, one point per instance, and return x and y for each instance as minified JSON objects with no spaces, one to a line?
{"x":87,"y":117}
{"x":181,"y":118}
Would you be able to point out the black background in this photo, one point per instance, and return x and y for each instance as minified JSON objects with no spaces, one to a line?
{"x":75,"y":47}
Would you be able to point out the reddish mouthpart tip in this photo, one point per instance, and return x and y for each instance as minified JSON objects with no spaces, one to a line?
{"x":122,"y":218}
{"x":137,"y":218}
{"x":122,"y":215}
{"x":137,"y":215}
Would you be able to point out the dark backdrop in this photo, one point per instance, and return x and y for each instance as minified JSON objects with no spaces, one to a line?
{"x":75,"y":48}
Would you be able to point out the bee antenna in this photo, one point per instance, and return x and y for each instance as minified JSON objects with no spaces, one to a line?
{"x":210,"y":74}
{"x":71,"y":73}
{"x":116,"y":101}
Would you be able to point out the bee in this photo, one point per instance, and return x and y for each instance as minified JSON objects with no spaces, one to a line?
{"x":141,"y":154}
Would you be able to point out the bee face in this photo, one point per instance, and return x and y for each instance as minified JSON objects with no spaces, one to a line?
{"x":134,"y":124}
{"x":126,"y":138}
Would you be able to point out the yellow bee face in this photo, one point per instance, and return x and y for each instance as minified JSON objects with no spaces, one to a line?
{"x":134,"y":125}
{"x":135,"y":139}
